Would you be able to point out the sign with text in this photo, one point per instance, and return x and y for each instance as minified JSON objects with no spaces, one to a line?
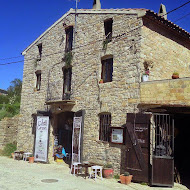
{"x":76,"y":139}
{"x":117,"y":136}
{"x":41,"y":143}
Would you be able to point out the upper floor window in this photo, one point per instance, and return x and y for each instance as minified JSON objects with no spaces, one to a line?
{"x":107,"y":70}
{"x":40,"y":51}
{"x":108,"y":29}
{"x":38,"y":80}
{"x":104,"y":130}
{"x":69,"y":38}
{"x":67,"y":73}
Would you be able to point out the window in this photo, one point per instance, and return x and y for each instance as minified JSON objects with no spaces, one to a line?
{"x":38,"y":80}
{"x":40,"y":51}
{"x":105,"y":123}
{"x":107,"y":70}
{"x":67,"y":73}
{"x":108,"y":29}
{"x":69,"y":39}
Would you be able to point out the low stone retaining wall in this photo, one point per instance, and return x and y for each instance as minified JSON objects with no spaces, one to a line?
{"x":8,"y":130}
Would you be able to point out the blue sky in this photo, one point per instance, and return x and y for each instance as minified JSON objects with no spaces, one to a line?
{"x":21,"y":22}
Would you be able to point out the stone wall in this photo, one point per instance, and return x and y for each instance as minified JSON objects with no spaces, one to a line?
{"x":8,"y":130}
{"x":165,"y":50}
{"x":166,"y":92}
{"x":119,"y":97}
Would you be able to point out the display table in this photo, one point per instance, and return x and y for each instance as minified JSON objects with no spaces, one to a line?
{"x":26,"y":155}
{"x":18,"y":155}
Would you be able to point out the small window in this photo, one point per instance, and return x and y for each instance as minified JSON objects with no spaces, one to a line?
{"x":105,"y":123}
{"x":69,"y":38}
{"x":38,"y":80}
{"x":108,"y":29}
{"x":107,"y":70}
{"x":67,"y":73}
{"x":40,"y":50}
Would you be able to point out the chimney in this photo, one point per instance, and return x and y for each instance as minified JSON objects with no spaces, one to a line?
{"x":162,"y":11}
{"x":96,"y":4}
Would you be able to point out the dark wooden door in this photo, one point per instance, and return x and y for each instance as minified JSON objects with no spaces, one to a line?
{"x":163,"y":150}
{"x":137,"y":144}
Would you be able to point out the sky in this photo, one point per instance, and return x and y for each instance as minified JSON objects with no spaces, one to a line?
{"x":22,"y":21}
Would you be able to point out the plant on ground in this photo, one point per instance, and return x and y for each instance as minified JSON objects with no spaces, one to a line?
{"x":116,"y":176}
{"x":9,"y":148}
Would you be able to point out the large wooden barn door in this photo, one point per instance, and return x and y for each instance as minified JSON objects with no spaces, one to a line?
{"x":163,"y":149}
{"x":138,"y":146}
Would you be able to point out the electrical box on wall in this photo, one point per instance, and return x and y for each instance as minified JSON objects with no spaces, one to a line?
{"x":117,"y":135}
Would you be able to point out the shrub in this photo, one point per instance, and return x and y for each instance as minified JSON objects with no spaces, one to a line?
{"x":126,"y":174}
{"x":9,"y":148}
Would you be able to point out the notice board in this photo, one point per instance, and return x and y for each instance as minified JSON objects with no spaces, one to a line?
{"x":42,"y":138}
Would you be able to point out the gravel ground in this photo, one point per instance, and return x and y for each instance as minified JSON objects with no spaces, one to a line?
{"x":18,"y":175}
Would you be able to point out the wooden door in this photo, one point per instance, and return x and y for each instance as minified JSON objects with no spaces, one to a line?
{"x":77,"y":136}
{"x":137,"y":144}
{"x":163,"y":150}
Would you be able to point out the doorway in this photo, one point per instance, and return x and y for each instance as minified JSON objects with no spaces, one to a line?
{"x":64,"y":129}
{"x":182,"y":148}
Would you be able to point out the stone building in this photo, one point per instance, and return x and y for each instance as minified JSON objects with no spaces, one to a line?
{"x":3,"y":92}
{"x":62,"y":75}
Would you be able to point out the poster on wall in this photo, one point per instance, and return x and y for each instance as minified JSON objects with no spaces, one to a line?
{"x":76,"y":139}
{"x":42,"y":138}
{"x":117,"y":136}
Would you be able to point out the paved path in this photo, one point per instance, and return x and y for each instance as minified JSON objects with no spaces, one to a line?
{"x":19,"y":175}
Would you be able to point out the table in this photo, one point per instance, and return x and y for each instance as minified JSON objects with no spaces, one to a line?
{"x":86,"y":166}
{"x":18,"y":155}
{"x":26,"y":155}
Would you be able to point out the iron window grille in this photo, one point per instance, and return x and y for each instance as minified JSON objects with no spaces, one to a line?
{"x":163,"y":138}
{"x":105,"y":123}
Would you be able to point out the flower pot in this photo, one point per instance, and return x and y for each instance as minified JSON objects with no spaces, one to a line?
{"x":175,"y":76}
{"x":101,"y":81}
{"x":126,"y":179}
{"x":31,"y":159}
{"x":145,"y":78}
{"x":108,"y":173}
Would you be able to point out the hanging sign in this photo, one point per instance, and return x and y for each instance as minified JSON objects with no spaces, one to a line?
{"x":41,"y":143}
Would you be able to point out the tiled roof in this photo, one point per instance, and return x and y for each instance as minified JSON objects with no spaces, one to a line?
{"x":167,"y":23}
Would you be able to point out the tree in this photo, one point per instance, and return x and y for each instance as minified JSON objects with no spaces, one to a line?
{"x":14,"y":90}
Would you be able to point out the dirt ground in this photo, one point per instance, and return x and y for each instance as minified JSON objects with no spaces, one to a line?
{"x":17,"y":175}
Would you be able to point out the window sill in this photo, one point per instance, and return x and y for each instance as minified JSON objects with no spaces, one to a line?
{"x":102,"y":142}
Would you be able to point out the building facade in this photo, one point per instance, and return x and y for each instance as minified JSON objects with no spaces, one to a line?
{"x":63,"y":70}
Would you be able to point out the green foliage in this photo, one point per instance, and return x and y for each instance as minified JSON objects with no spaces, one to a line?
{"x":10,"y":104}
{"x":108,"y":165}
{"x":126,"y":174}
{"x":116,"y":176}
{"x":68,"y":58}
{"x":8,"y":149}
{"x":176,"y":73}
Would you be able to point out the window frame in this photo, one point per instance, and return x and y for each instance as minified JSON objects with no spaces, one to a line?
{"x":69,"y":39}
{"x":105,"y":127}
{"x":67,"y":77}
{"x":108,"y":28}
{"x":107,"y":70}
{"x":40,"y":50}
{"x":38,"y":80}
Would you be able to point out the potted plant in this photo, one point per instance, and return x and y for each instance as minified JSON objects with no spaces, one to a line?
{"x":101,"y":81}
{"x":145,"y":75}
{"x":126,"y":178}
{"x":108,"y":171}
{"x":175,"y":75}
{"x":31,"y":159}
